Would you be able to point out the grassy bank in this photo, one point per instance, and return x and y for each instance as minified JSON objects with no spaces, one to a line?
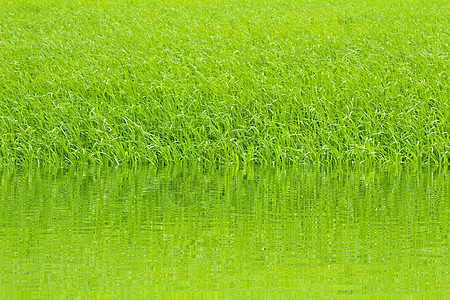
{"x":167,"y":82}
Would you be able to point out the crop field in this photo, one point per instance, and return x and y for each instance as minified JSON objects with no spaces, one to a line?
{"x":224,"y":81}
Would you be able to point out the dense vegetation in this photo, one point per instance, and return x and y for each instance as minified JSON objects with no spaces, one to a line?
{"x":216,"y":81}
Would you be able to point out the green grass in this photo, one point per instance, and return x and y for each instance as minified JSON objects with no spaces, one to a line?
{"x":265,"y":82}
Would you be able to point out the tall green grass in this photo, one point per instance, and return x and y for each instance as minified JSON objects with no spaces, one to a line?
{"x":217,"y":81}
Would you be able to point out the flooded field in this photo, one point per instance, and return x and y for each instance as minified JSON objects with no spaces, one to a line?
{"x":223,"y":234}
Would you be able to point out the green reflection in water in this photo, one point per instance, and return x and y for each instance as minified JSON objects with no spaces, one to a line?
{"x":223,"y":234}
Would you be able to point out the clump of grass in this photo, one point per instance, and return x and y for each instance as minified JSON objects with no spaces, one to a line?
{"x":265,"y":82}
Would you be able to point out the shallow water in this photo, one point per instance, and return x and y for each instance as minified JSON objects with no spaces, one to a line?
{"x":223,"y":234}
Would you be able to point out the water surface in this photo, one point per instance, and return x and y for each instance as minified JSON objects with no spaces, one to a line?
{"x":223,"y":234}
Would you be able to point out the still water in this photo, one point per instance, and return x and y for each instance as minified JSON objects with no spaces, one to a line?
{"x":262,"y":233}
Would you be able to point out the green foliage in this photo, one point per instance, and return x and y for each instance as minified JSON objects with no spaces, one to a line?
{"x":244,"y":82}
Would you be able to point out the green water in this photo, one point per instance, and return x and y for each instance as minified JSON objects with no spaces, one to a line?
{"x":260,"y":233}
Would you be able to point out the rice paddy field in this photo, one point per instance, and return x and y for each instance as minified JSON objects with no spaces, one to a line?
{"x":224,"y":149}
{"x":222,"y":81}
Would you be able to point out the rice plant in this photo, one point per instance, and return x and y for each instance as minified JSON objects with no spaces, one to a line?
{"x":224,"y":81}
